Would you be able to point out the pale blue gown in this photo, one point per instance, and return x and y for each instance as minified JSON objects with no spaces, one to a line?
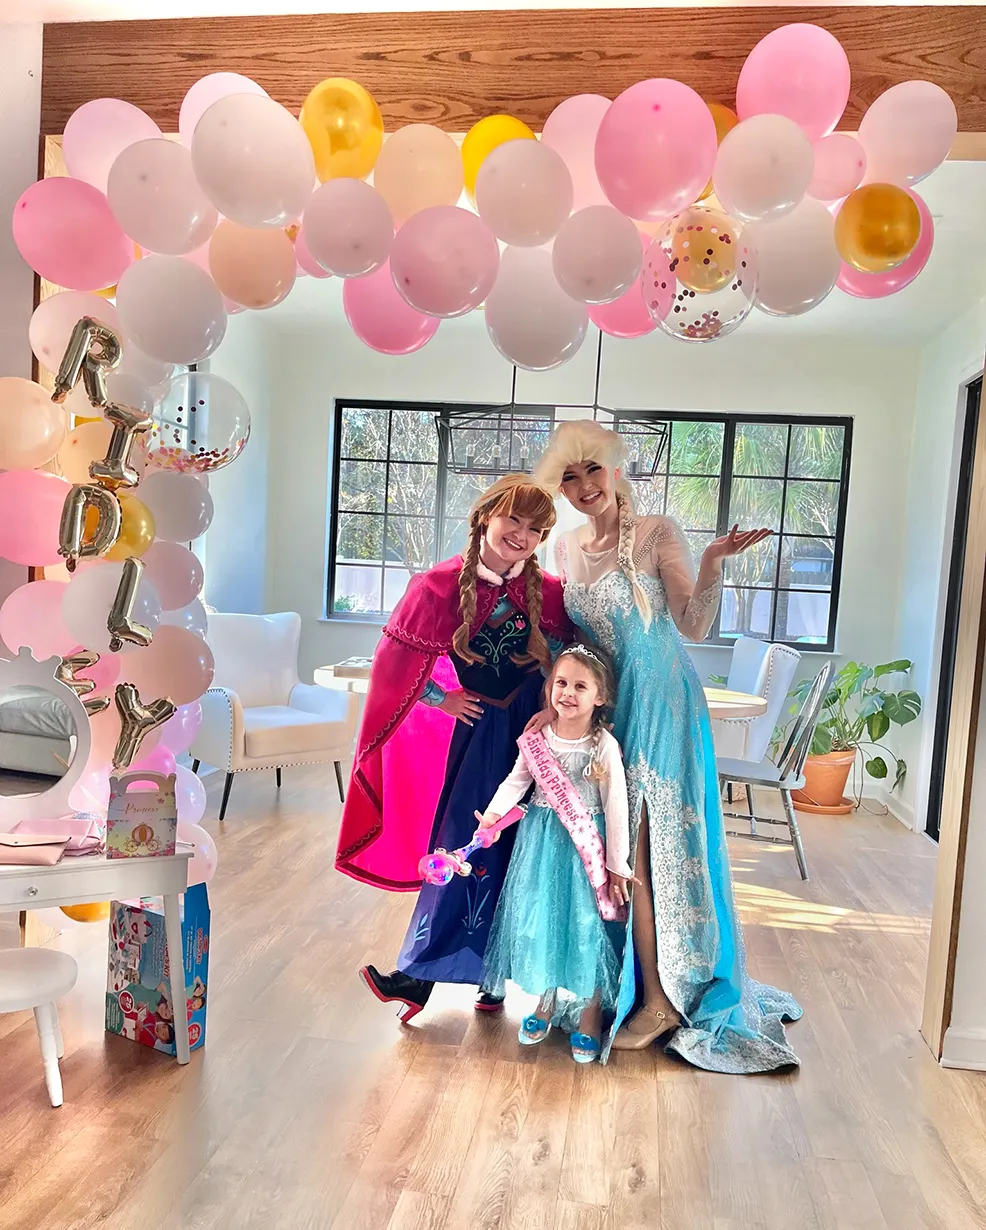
{"x":661,"y":720}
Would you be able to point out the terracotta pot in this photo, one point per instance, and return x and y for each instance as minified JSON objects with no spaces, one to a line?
{"x":825,"y":784}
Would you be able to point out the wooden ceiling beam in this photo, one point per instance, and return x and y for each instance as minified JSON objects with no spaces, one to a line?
{"x":451,"y":69}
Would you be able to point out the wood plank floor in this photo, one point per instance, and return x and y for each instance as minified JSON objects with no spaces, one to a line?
{"x":311,"y":1108}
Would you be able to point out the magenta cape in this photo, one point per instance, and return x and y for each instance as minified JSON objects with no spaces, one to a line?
{"x":402,"y":749}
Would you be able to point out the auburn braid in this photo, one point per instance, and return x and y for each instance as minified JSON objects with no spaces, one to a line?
{"x":628,"y":536}
{"x":468,"y":574}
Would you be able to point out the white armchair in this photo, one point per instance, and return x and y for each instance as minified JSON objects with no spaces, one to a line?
{"x":257,"y":714}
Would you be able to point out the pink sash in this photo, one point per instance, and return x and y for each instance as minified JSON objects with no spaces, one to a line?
{"x":567,"y":803}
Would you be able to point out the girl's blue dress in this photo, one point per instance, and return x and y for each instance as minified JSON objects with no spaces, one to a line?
{"x":547,"y":932}
{"x":661,"y":720}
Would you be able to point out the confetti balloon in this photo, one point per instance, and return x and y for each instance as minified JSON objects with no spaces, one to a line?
{"x":692,"y":315}
{"x":201,"y":423}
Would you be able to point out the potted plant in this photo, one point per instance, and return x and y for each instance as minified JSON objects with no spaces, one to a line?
{"x":855,"y":717}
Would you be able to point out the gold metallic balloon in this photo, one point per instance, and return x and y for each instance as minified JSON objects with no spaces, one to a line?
{"x":121,"y":624}
{"x":725,"y":121}
{"x":344,"y":127}
{"x":93,"y":911}
{"x":136,"y":721}
{"x":877,"y":228}
{"x":115,"y":469}
{"x":92,"y":350}
{"x":703,"y":249}
{"x":79,"y":535}
{"x":136,"y":530}
{"x":65,"y":673}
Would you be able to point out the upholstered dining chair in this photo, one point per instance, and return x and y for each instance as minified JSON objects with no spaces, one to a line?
{"x":258,"y":714}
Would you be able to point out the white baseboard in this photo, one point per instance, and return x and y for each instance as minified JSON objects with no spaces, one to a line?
{"x":964,"y":1048}
{"x":900,"y":810}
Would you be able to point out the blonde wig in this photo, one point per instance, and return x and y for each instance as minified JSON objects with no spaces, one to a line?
{"x":512,"y":495}
{"x":586,"y":440}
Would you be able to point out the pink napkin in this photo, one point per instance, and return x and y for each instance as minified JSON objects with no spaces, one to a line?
{"x":82,"y":834}
{"x":30,"y":850}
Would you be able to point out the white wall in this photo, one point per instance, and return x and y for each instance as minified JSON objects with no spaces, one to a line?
{"x":20,"y":127}
{"x":316,"y":359}
{"x":946,"y":366}
{"x":236,"y":547}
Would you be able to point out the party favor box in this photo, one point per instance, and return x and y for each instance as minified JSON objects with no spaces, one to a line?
{"x":138,"y":988}
{"x":141,"y":823}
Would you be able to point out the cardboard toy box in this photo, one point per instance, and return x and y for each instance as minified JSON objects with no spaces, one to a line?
{"x":138,"y":991}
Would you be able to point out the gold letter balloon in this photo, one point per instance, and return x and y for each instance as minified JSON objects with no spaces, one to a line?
{"x":136,"y":721}
{"x":121,"y":624}
{"x":81,"y":536}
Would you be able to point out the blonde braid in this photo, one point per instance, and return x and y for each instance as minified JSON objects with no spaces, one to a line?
{"x":537,"y":646}
{"x":467,"y":593}
{"x":624,"y":556}
{"x":594,"y":770}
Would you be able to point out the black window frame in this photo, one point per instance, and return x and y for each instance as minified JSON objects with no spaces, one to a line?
{"x":441,"y":411}
{"x":730,"y":422}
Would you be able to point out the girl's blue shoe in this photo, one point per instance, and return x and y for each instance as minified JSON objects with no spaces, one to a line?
{"x":533,"y":1030}
{"x":585,"y":1048}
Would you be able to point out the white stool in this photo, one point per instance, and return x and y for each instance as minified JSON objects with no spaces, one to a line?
{"x":36,"y":978}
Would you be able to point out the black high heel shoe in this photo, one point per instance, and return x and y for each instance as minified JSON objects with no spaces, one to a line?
{"x":397,"y":988}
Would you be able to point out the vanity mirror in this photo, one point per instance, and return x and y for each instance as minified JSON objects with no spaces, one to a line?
{"x":44,"y":740}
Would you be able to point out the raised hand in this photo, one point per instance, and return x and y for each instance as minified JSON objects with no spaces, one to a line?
{"x":735,"y":542}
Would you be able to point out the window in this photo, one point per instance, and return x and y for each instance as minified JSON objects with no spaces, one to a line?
{"x":401,"y":501}
{"x":398,"y":505}
{"x":790,"y":477}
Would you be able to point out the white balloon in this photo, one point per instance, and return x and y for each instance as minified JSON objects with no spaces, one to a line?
{"x":156,"y":199}
{"x":524,"y":192}
{"x":181,"y":506}
{"x":763,"y":168}
{"x":192,"y":617}
{"x":530,"y":319}
{"x":171,"y":309}
{"x":253,"y":160}
{"x":798,"y":261}
{"x":907,"y":132}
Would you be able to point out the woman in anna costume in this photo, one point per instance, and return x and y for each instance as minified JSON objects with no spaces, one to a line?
{"x":422,"y":770}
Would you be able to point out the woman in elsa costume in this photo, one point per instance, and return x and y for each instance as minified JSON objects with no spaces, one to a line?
{"x":629,"y":584}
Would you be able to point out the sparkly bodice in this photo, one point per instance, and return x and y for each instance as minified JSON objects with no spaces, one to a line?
{"x":603,"y":607}
{"x":573,"y":756}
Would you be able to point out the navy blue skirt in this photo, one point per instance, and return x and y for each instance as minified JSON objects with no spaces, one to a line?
{"x":446,"y":938}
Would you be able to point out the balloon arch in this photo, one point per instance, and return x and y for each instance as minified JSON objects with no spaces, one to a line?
{"x":654,"y":211}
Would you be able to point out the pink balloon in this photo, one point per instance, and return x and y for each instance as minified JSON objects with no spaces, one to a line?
{"x":627,"y":316}
{"x":91,"y":793}
{"x":97,"y":133}
{"x":444,"y":260}
{"x":190,"y":797}
{"x":31,"y":504}
{"x":800,"y":71}
{"x":204,"y":93}
{"x":65,"y":230}
{"x":55,"y":317}
{"x":381,"y":319}
{"x":596,"y":255}
{"x":32,"y":616}
{"x":202,"y":865}
{"x":160,"y":760}
{"x":840,"y":164}
{"x":348,"y":227}
{"x":175,"y":573}
{"x":879,"y":285}
{"x":104,"y":673}
{"x":306,"y":262}
{"x":178,"y":733}
{"x":655,"y":149}
{"x":570,"y":130}
{"x":177,"y":664}
{"x":658,"y":282}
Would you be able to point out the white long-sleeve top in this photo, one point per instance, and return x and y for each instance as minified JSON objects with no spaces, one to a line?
{"x":572,"y":755}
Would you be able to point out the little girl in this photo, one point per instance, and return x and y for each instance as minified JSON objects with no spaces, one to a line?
{"x":560,"y":921}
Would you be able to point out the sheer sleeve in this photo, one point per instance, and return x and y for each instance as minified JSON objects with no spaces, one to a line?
{"x":693,"y":605}
{"x":613,"y":791}
{"x":561,"y":557}
{"x":512,"y":789}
